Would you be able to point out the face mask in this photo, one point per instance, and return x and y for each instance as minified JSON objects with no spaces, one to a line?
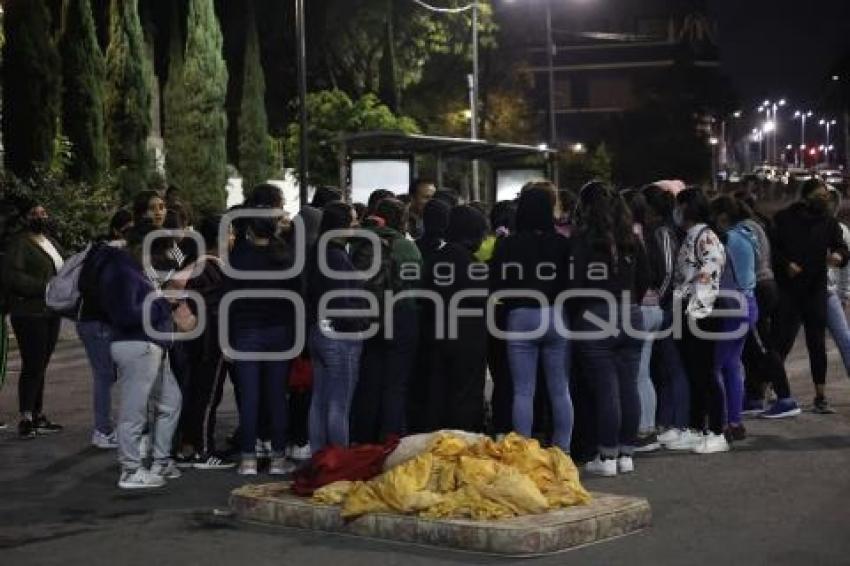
{"x":38,"y":225}
{"x":678,"y":218}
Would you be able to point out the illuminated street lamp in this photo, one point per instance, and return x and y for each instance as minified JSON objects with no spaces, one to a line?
{"x":827,"y":123}
{"x":802,"y":115}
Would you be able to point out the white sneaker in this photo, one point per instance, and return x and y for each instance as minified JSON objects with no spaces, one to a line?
{"x":669,"y":436}
{"x":301,"y":452}
{"x":248,"y":467}
{"x":168,"y":470}
{"x":687,"y":441}
{"x":281,"y":467}
{"x":140,"y":479}
{"x":712,"y":444}
{"x":600,"y":467}
{"x":104,"y":441}
{"x":625,"y":465}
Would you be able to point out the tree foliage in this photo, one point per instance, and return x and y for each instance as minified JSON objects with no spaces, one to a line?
{"x":128,"y":99}
{"x":79,"y":211}
{"x":255,"y":156}
{"x":83,"y":78}
{"x":31,"y":86}
{"x":197,"y":158}
{"x":332,"y":113}
{"x":358,"y":46}
{"x":174,"y":100}
{"x":664,"y":137}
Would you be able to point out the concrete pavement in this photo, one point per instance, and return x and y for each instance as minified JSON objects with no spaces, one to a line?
{"x":781,"y":497}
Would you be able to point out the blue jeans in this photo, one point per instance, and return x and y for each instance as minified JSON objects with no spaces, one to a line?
{"x":652,"y":317}
{"x":674,"y":388}
{"x":612,"y":364}
{"x":836,"y":322}
{"x":97,"y":339}
{"x":336,"y":364}
{"x":523,"y":356}
{"x":262,"y":382}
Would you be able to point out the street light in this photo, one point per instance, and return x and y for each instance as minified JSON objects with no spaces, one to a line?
{"x":551,"y":52}
{"x":827,"y":123}
{"x":303,"y":161}
{"x":802,"y":115}
{"x":473,"y":79}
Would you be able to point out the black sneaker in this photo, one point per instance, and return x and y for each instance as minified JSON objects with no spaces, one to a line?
{"x":214,"y":462}
{"x":735,"y":433}
{"x":26,"y":429}
{"x":185,"y":461}
{"x":647,"y":443}
{"x":44,"y":426}
{"x":822,"y":407}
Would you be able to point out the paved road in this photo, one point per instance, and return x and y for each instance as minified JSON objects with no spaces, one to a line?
{"x":782,"y":497}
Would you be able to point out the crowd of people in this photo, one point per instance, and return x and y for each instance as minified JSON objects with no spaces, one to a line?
{"x":610,"y":322}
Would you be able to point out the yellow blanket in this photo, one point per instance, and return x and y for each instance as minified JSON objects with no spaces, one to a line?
{"x":452,"y":479}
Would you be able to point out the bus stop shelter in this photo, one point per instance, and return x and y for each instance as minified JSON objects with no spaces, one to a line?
{"x":388,"y":144}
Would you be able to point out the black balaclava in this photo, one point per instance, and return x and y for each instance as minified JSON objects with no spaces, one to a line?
{"x":467,"y":227}
{"x":435,"y":219}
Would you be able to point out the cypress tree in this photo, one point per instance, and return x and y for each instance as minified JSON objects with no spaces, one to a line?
{"x":174,"y":101}
{"x":200,"y":147}
{"x":83,"y":76}
{"x":128,"y":99}
{"x":31,"y":86}
{"x":255,"y":158}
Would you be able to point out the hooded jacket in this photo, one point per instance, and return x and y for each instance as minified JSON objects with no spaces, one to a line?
{"x":805,"y":237}
{"x":742,"y":253}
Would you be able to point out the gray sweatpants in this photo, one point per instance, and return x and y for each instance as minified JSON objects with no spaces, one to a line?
{"x":140,"y":364}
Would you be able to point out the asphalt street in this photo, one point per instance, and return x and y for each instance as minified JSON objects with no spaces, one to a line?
{"x":780,"y":497}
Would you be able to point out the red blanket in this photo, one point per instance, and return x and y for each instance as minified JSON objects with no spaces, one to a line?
{"x":359,"y":463}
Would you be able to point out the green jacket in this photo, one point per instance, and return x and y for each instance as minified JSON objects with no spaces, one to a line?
{"x":26,"y":270}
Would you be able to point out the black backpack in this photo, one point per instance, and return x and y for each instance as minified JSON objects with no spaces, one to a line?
{"x":388,"y":276}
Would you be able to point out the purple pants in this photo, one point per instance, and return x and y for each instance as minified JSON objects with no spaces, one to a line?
{"x":727,"y":359}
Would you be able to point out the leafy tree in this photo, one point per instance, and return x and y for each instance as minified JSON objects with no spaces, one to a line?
{"x":332,"y":113}
{"x":31,"y":84}
{"x":128,"y":99}
{"x":576,"y":169}
{"x":368,"y":44}
{"x":198,"y":151}
{"x":664,"y":137}
{"x":83,"y":77}
{"x":80,"y":210}
{"x":255,"y":157}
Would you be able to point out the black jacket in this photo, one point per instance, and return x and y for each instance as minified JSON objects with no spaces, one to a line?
{"x":531,"y":261}
{"x":662,"y":247}
{"x":597,"y":271}
{"x":804,"y":237}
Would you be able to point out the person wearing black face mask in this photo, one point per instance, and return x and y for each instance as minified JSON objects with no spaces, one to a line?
{"x":31,"y":260}
{"x":806,"y":240}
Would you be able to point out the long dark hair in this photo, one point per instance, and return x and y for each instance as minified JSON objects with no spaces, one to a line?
{"x":535,"y":211}
{"x":605,"y":221}
{"x":695,"y":207}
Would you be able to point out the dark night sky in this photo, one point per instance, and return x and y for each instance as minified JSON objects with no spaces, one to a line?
{"x":774,"y":48}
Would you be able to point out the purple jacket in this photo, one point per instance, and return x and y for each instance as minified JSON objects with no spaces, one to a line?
{"x":123,"y":287}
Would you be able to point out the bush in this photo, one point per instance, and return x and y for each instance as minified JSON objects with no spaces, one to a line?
{"x":79,"y":211}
